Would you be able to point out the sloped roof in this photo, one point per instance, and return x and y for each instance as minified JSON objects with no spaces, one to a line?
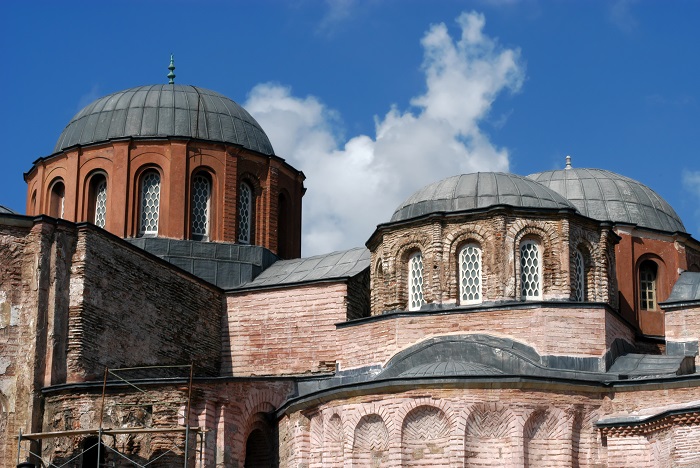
{"x":686,"y":289}
{"x":335,"y":265}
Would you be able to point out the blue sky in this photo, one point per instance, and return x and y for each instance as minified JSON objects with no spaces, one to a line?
{"x":374,"y":99}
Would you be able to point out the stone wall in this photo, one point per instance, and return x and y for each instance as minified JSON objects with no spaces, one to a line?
{"x":499,"y":234}
{"x":683,"y":331}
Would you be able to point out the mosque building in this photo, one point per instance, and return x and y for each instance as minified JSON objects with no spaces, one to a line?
{"x":155,"y":311}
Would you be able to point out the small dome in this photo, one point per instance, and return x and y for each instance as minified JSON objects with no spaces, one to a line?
{"x":167,"y":110}
{"x":477,"y":191}
{"x":606,"y":196}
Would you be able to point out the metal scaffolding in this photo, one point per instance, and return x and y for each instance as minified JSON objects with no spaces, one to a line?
{"x":101,"y":431}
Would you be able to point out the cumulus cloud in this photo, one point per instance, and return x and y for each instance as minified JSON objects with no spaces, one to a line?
{"x":354,"y":184}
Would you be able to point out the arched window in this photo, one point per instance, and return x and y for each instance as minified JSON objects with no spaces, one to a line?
{"x":201,"y":200}
{"x":470,"y":274}
{"x":415,"y":281}
{"x":150,"y":203}
{"x":530,"y":270}
{"x":33,"y":203}
{"x":97,"y":202}
{"x":579,"y":279}
{"x":57,"y":199}
{"x":245,"y":213}
{"x":647,"y":285}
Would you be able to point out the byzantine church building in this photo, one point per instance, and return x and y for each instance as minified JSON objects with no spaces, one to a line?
{"x":155,"y":310}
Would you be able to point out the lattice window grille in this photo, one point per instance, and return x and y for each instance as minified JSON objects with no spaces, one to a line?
{"x":530,"y":271}
{"x":470,"y":274}
{"x":101,"y":204}
{"x":415,"y":281}
{"x":245,"y":208}
{"x":647,"y":287}
{"x":579,"y":278}
{"x":201,"y":196}
{"x":150,"y":203}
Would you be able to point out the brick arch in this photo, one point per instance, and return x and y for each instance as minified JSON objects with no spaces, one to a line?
{"x":256,"y":215}
{"x":547,"y":438}
{"x":426,"y":434}
{"x":370,"y":441}
{"x":216,"y":211}
{"x":545,"y":234}
{"x":139,"y":173}
{"x":86,"y":192}
{"x":590,"y":254}
{"x":316,"y":440}
{"x":334,"y":439}
{"x":378,"y":286}
{"x":491,"y":436}
{"x":453,"y":243}
{"x":401,"y":254}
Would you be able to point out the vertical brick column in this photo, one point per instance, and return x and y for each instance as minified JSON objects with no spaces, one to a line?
{"x":230,"y":197}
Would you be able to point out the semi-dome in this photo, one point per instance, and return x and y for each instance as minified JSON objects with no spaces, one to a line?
{"x":607,"y":196}
{"x":167,"y":110}
{"x":478,"y":191}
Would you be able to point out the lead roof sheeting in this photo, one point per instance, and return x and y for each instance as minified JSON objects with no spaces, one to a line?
{"x":687,"y":288}
{"x":479,"y":190}
{"x":165,"y":110}
{"x":606,"y":196}
{"x":334,"y":265}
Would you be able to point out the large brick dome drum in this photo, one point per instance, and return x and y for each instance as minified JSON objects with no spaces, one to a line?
{"x":480,"y":190}
{"x":166,"y":110}
{"x":607,"y":196}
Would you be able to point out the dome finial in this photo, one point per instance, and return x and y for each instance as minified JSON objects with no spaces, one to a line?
{"x":568,"y":162}
{"x":171,"y":67}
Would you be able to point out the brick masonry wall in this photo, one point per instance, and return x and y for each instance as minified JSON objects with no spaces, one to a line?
{"x":554,"y":331}
{"x":499,"y":235}
{"x":683,"y":325}
{"x":284,"y":331}
{"x":482,"y":427}
{"x":129,"y":309}
{"x":33,"y":306}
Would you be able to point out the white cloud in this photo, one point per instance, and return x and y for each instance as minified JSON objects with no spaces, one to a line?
{"x":621,"y":15}
{"x":355,"y":184}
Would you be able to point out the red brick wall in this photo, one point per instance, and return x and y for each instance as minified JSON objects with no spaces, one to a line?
{"x":683,"y":325}
{"x":284,"y":331}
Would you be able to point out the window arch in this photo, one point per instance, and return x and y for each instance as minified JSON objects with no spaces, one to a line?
{"x":578,"y":285}
{"x":97,"y":200}
{"x":648,"y":272}
{"x":469,"y":259}
{"x":245,"y":213}
{"x":201,"y":206}
{"x":57,"y":199}
{"x":415,"y":281}
{"x":150,"y":203}
{"x":530,"y":270}
{"x":33,"y":203}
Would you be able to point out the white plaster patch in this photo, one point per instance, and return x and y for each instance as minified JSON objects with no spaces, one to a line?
{"x":15,"y":312}
{"x":4,"y":364}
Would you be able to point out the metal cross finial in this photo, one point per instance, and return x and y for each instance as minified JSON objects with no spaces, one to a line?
{"x":568,"y":162}
{"x":171,"y":67}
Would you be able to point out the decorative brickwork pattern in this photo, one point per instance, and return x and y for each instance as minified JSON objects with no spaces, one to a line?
{"x":490,"y":436}
{"x":370,"y":442}
{"x":425,"y":438}
{"x":499,"y":235}
{"x":547,"y":435}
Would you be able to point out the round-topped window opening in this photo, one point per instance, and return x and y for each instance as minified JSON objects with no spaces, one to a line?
{"x":150,"y":202}
{"x":530,"y":270}
{"x":201,"y":199}
{"x":470,"y":274}
{"x":415,"y":281}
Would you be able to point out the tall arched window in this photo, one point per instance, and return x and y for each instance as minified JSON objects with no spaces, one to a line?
{"x":245,"y":213}
{"x":470,"y":274}
{"x":201,"y":201}
{"x":150,"y":203}
{"x":415,"y":281}
{"x":579,"y":279}
{"x":57,"y":199}
{"x":97,"y":202}
{"x":530,"y":270}
{"x":647,"y":285}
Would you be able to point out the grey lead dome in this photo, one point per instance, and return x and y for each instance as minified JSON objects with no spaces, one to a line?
{"x":477,"y":191}
{"x":167,"y":110}
{"x":607,"y":196}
